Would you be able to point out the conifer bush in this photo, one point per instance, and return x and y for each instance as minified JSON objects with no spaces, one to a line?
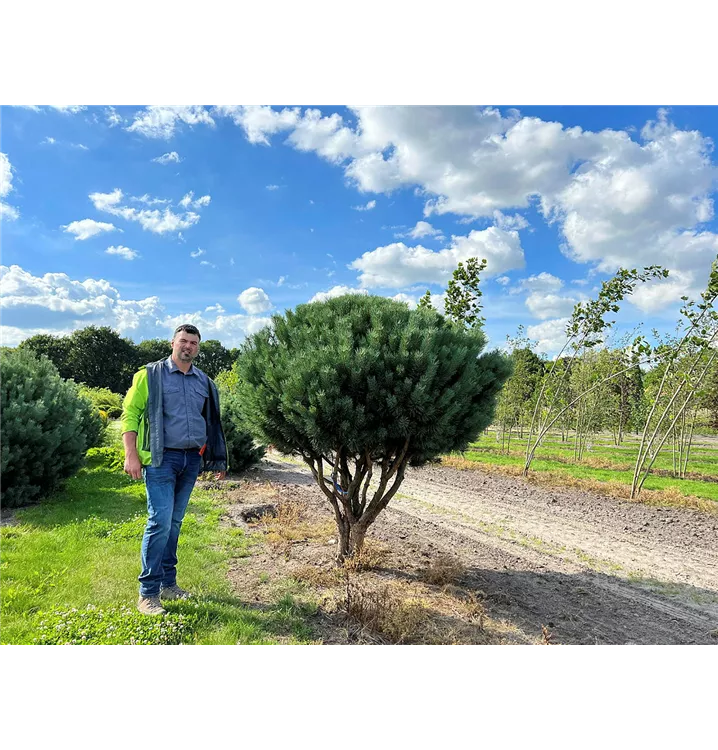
{"x":46,"y":427}
{"x":242,"y":451}
{"x":361,"y":387}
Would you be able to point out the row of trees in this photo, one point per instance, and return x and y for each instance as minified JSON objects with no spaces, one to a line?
{"x":659,"y":391}
{"x":616,"y":404}
{"x":100,"y":358}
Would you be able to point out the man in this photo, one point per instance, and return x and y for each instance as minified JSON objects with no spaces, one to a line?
{"x":171,"y":431}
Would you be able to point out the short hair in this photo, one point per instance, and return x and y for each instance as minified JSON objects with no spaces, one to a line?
{"x":188,"y":328}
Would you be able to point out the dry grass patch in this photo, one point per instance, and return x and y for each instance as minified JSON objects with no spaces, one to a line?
{"x":443,"y":569}
{"x":370,"y":556}
{"x":319,"y":577}
{"x":291,"y":525}
{"x":385,"y":613}
{"x":248,"y":491}
{"x":413,"y":612}
{"x":670,"y":497}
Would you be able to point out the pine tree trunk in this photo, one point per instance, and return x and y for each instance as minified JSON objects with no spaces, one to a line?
{"x":351,"y":541}
{"x":344,"y":542}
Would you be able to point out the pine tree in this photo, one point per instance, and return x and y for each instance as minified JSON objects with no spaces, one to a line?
{"x":47,"y":427}
{"x":362,"y":387}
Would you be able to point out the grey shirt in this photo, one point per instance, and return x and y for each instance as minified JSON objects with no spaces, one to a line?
{"x":183,"y":398}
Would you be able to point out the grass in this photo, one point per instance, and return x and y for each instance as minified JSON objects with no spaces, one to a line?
{"x":69,"y":567}
{"x":604,"y":464}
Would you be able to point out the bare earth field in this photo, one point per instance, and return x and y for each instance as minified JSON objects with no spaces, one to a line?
{"x":535,"y":564}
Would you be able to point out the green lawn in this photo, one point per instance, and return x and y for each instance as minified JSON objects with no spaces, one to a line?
{"x":81,"y":547}
{"x":553,"y":455}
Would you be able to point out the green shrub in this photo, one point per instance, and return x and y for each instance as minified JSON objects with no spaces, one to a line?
{"x":110,"y":456}
{"x":93,"y":423}
{"x":103,"y":399}
{"x":241,"y":449}
{"x":47,"y":427}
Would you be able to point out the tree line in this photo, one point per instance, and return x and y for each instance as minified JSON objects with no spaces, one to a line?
{"x":100,"y":358}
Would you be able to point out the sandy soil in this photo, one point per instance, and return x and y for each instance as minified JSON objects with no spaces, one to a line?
{"x":549,"y":566}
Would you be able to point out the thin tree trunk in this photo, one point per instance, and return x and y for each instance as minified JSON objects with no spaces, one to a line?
{"x":566,"y":408}
{"x":685,"y":403}
{"x":641,"y":458}
{"x":690,"y":443}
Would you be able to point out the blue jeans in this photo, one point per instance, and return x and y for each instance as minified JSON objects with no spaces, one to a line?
{"x":168,"y":489}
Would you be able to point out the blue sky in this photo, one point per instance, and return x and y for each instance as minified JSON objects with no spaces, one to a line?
{"x":141,"y":218}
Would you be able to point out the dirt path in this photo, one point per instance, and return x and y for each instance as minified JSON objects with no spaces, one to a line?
{"x":593,"y":569}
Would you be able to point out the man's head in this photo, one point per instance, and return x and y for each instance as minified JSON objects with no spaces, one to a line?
{"x":185,"y":343}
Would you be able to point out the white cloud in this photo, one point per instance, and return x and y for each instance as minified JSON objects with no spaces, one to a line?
{"x":620,"y":199}
{"x":401,"y":297}
{"x":198,"y":252}
{"x":149,"y":200}
{"x":474,"y":160}
{"x":214,"y":308}
{"x":107,"y":201}
{"x":55,"y":303}
{"x":367,"y":207}
{"x":153,"y":220}
{"x":336,"y":291}
{"x":168,"y":158}
{"x":550,"y":335}
{"x":509,"y":222}
{"x":272,"y":187}
{"x":547,"y":305}
{"x":503,"y":280}
{"x":398,"y":266}
{"x":53,"y":300}
{"x":231,"y":330}
{"x":255,"y":300}
{"x":50,"y":141}
{"x":160,"y":222}
{"x":87,"y":228}
{"x":658,"y":295}
{"x":327,"y":136}
{"x":113,"y":119}
{"x":258,"y":122}
{"x":69,"y":109}
{"x":207,"y":263}
{"x":122,"y":251}
{"x":6,"y":171}
{"x":542,"y":301}
{"x":423,"y":229}
{"x":161,"y":121}
{"x":542,"y":282}
{"x":189,"y":202}
{"x":8,"y":212}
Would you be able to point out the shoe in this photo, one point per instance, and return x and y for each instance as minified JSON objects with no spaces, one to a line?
{"x":174,"y":592}
{"x":150,"y":605}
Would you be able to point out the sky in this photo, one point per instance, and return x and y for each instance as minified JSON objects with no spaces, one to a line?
{"x":141,"y":218}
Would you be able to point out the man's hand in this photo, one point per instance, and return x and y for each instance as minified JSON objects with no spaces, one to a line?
{"x":220,"y":475}
{"x":133,"y":467}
